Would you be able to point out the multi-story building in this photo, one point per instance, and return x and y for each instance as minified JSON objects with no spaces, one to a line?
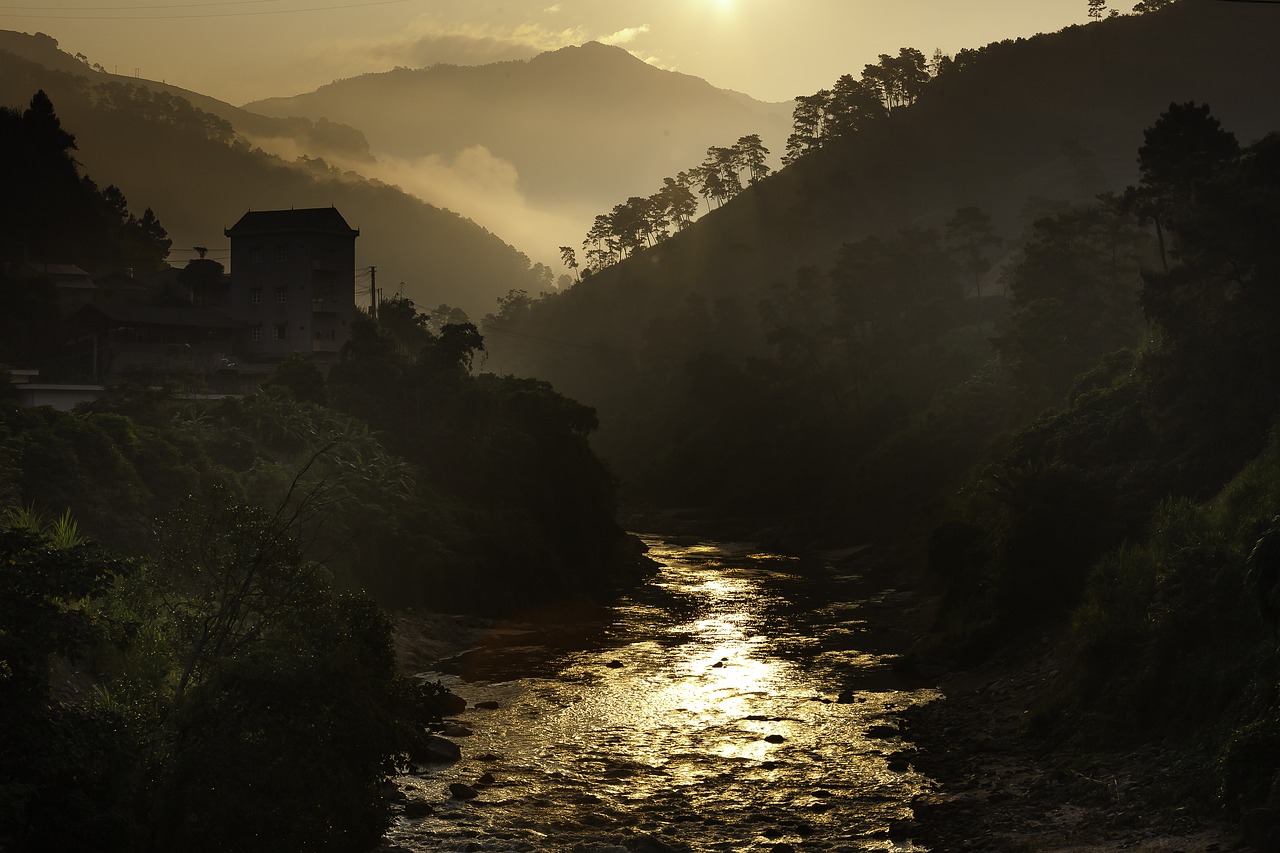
{"x":293,"y":282}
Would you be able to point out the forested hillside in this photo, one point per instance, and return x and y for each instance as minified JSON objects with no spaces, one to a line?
{"x":838,"y":312}
{"x":197,"y":166}
{"x":192,"y":651}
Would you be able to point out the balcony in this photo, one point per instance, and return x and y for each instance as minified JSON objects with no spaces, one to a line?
{"x":325,"y":306}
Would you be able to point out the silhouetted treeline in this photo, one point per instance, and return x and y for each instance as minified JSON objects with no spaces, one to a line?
{"x":640,"y":223}
{"x":53,"y":214}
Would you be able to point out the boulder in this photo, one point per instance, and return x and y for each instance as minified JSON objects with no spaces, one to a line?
{"x":460,"y":791}
{"x":439,"y":750}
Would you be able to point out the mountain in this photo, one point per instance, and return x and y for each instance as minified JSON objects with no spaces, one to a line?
{"x":583,"y":126}
{"x":197,"y":163}
{"x":1018,"y":127}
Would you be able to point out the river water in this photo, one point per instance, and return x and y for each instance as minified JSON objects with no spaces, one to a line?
{"x":731,"y":703}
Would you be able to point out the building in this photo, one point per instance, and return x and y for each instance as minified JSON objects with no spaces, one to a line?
{"x":293,"y":282}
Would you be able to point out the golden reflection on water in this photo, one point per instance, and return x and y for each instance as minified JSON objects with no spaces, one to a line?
{"x":706,"y":714}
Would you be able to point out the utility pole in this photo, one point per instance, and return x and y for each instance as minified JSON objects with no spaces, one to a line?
{"x":373,"y":292}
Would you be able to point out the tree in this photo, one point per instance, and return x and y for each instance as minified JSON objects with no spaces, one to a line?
{"x":569,"y":258}
{"x":1145,"y":6}
{"x":1097,"y":9}
{"x":969,"y":236}
{"x":1181,"y":152}
{"x":303,"y":379}
{"x":807,"y":125}
{"x":751,"y":153}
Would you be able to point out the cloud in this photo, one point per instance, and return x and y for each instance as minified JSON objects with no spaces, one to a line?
{"x":428,"y":43}
{"x":624,"y":36}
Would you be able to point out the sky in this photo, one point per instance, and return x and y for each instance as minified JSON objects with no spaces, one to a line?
{"x":773,"y":50}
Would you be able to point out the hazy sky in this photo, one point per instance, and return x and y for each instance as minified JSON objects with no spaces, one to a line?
{"x":240,"y":50}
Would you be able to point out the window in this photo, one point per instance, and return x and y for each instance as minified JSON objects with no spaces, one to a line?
{"x":255,"y":255}
{"x":282,"y":295}
{"x":255,"y":333}
{"x":282,"y":253}
{"x":255,"y":295}
{"x":280,"y":332}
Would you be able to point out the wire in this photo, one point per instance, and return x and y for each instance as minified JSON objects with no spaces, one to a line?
{"x":202,"y":15}
{"x":131,"y":8}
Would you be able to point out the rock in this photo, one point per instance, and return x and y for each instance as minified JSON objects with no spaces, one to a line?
{"x":718,"y":665}
{"x":488,"y":705}
{"x":901,"y":830}
{"x":460,"y":791}
{"x":775,"y":739}
{"x":882,"y":732}
{"x":439,"y":750}
{"x":846,"y":697}
{"x":615,"y":664}
{"x":417,"y":808}
{"x":452,"y":703}
{"x":782,"y":847}
{"x":899,"y":766}
{"x":488,"y":757}
{"x":392,"y":793}
{"x":485,"y":779}
{"x":457,"y":730}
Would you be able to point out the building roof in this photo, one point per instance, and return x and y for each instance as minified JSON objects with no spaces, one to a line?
{"x":63,"y":275}
{"x":308,"y":220}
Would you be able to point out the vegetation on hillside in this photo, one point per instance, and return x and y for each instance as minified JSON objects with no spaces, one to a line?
{"x":193,"y":655}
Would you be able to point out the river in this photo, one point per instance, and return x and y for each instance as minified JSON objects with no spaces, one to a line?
{"x":734,"y":702}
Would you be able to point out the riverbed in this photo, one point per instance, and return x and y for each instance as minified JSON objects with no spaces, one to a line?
{"x":738,"y":700}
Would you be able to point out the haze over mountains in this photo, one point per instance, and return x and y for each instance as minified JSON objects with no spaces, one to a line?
{"x":528,"y":151}
{"x":535,"y":148}
{"x":1026,"y":127}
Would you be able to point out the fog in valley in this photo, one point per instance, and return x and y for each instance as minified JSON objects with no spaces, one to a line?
{"x":692,"y":425}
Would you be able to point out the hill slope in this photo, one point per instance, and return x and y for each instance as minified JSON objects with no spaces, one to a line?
{"x":620,"y":124}
{"x":1057,"y":116}
{"x":200,"y":174}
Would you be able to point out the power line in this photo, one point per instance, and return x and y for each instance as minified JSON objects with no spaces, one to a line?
{"x":130,"y":8}
{"x":4,"y":14}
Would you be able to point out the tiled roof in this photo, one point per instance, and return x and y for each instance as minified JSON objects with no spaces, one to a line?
{"x":309,"y":220}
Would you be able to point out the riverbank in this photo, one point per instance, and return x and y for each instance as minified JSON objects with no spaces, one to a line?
{"x":1001,"y":790}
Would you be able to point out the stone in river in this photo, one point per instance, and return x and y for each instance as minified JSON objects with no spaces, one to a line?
{"x":485,"y":779}
{"x":462,"y":792}
{"x":775,"y":739}
{"x":489,"y":705}
{"x":440,"y":749}
{"x":615,"y":664}
{"x":417,"y":808}
{"x":882,"y":732}
{"x":451,"y":703}
{"x":457,"y":730}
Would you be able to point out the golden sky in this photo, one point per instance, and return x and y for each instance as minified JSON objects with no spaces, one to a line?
{"x":241,"y":50}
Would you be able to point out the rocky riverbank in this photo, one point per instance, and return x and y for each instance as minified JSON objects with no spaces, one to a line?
{"x":1001,"y":790}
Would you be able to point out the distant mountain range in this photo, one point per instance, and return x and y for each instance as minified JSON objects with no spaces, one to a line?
{"x":530,"y":150}
{"x":1028,"y":123}
{"x":582,"y":125}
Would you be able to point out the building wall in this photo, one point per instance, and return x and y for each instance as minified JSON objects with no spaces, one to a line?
{"x":295,"y":292}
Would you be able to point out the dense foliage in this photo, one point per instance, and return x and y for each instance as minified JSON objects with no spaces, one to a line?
{"x":192,"y":657}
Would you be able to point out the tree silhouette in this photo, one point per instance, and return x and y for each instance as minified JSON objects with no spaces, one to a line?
{"x":968,"y":236}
